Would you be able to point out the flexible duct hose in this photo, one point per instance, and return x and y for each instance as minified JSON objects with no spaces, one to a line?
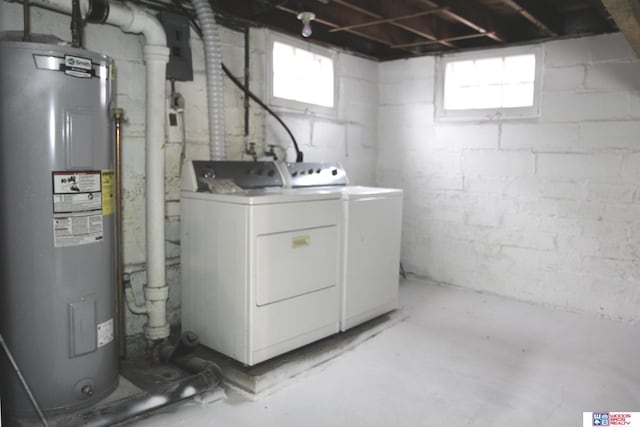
{"x":215,"y":83}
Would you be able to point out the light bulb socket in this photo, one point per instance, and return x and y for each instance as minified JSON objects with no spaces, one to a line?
{"x":306,"y":18}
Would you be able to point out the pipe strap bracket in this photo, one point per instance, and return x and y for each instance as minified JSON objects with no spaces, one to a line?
{"x":157,"y":332}
{"x":156,"y":294}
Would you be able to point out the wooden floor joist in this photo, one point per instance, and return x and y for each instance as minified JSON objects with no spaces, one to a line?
{"x":626,"y":14}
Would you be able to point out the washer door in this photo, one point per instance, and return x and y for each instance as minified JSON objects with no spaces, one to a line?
{"x":294,"y":263}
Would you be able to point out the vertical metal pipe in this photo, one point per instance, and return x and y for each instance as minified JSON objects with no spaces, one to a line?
{"x":246,"y":81}
{"x":118,"y":114}
{"x":27,"y":21}
{"x":76,"y":24}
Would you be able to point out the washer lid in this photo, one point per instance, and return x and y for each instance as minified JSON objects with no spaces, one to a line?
{"x":361,"y":192}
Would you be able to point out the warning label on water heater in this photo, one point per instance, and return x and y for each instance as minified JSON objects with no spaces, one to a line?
{"x":77,"y":208}
{"x":77,"y":229}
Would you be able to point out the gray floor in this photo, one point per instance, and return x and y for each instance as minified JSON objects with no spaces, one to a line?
{"x":461,"y":359}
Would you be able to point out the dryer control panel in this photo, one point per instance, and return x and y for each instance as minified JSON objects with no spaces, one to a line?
{"x":222,"y":176}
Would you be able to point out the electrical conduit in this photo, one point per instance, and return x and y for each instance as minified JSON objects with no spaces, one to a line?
{"x":215,"y":83}
{"x":132,"y":19}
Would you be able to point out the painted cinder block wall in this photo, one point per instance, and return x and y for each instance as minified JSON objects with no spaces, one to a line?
{"x":349,"y":136}
{"x":545,"y":210}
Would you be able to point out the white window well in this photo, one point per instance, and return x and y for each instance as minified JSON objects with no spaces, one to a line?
{"x":302,"y":78}
{"x":497,"y":84}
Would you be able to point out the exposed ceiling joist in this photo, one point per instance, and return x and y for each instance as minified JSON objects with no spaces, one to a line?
{"x":626,"y":13}
{"x":450,"y":39}
{"x":474,"y":16}
{"x":390,"y":29}
{"x":412,"y":29}
{"x":537,"y":14}
{"x":600,"y":9}
{"x":376,"y":35}
{"x":389,"y":20}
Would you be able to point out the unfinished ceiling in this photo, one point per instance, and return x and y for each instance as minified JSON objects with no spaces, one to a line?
{"x":389,"y":29}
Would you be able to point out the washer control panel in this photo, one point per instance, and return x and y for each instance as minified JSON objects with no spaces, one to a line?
{"x":309,"y":174}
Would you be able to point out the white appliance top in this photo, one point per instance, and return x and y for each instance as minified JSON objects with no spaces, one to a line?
{"x":267,"y":196}
{"x":361,"y":192}
{"x":265,"y":182}
{"x":222,"y":176}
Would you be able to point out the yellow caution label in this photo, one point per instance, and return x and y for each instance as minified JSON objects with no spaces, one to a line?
{"x":108,"y":191}
{"x":300,"y":241}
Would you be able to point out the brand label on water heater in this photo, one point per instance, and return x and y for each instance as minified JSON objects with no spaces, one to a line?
{"x":77,"y":66}
{"x":77,"y":208}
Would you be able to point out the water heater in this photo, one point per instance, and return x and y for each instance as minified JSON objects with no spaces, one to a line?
{"x":57,"y":240}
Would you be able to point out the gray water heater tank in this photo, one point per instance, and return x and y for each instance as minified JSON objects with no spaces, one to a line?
{"x":57,"y":240}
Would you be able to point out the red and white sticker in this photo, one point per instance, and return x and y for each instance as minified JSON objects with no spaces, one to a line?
{"x":77,"y":208}
{"x":77,"y":229}
{"x":593,"y":419}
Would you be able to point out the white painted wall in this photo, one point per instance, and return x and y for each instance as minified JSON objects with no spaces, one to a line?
{"x":350,"y":137}
{"x":545,"y":210}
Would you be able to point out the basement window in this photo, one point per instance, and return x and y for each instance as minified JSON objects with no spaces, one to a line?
{"x":490,"y":85}
{"x":303,"y":77}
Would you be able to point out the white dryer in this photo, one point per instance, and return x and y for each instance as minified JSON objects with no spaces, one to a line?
{"x":260,"y":263}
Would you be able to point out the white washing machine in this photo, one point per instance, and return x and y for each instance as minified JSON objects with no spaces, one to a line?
{"x":370,"y":243}
{"x":260,"y":263}
{"x":370,"y":253}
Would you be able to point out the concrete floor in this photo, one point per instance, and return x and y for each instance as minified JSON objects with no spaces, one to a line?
{"x":461,"y":359}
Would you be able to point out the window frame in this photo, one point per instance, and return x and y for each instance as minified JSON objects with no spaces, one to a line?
{"x":290,"y":105}
{"x":488,"y":114}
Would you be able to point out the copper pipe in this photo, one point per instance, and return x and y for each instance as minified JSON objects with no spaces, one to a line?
{"x":246,"y":81}
{"x":118,"y":115}
{"x":76,"y":24}
{"x":26,"y":35}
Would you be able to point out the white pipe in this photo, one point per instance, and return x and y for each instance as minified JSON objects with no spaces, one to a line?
{"x":156,"y":291}
{"x":131,"y":302}
{"x":132,"y":19}
{"x":61,"y":6}
{"x":215,"y":79}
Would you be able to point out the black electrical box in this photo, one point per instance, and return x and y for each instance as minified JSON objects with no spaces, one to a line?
{"x":176,"y":27}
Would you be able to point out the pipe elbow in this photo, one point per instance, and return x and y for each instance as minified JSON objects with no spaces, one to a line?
{"x":131,"y":303}
{"x":146,"y":24}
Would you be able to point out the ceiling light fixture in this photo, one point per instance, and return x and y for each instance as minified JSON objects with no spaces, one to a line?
{"x":306,"y":18}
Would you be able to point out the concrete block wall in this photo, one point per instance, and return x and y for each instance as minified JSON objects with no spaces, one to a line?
{"x":349,"y":134}
{"x":546,"y":209}
{"x":349,"y":137}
